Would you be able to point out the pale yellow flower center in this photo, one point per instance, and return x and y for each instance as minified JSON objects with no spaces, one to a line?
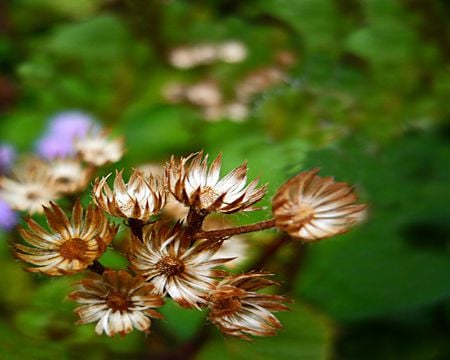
{"x":304,"y":214}
{"x":207,"y":196}
{"x":73,"y":249}
{"x":118,"y":301}
{"x":226,"y":306}
{"x":170,"y":266}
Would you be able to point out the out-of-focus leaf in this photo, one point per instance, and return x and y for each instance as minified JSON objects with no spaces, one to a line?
{"x":154,"y":132}
{"x":306,"y":335}
{"x":182,"y":323}
{"x":102,"y":38}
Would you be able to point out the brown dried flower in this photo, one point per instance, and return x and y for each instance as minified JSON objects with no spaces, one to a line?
{"x":139,"y":199}
{"x":310,"y":207}
{"x":98,"y":149}
{"x":69,"y":175}
{"x":192,"y":183}
{"x":237,"y":309}
{"x":184,"y":271}
{"x":70,"y":246}
{"x":118,"y":301}
{"x":32,"y":187}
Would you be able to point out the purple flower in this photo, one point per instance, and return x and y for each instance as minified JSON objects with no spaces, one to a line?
{"x":63,"y":129}
{"x":7,"y":157}
{"x":8,"y":217}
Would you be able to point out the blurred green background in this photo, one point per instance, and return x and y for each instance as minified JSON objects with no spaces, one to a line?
{"x":367,"y":101}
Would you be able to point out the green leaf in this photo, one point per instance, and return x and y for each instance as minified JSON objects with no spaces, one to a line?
{"x":306,"y":335}
{"x":182,"y":323}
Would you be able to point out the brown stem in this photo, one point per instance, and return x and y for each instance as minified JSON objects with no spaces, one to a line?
{"x":136,"y":226}
{"x":97,"y":267}
{"x":194,"y":222}
{"x":226,"y":233}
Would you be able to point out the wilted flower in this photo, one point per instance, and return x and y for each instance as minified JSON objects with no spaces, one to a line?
{"x":118,"y":301}
{"x":8,"y":217}
{"x":236,"y":111}
{"x":232,"y":51}
{"x":192,"y":183}
{"x":237,"y":309}
{"x":309,"y":207}
{"x":70,"y":246}
{"x":69,"y":175}
{"x":205,"y":93}
{"x":97,"y":149}
{"x":7,"y":157}
{"x":184,"y":271}
{"x":182,"y":57}
{"x":139,"y":199}
{"x":30,"y":189}
{"x":64,"y":128}
{"x":257,"y":82}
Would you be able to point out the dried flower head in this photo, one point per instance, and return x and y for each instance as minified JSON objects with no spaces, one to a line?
{"x":237,"y":309}
{"x":69,"y":175}
{"x":192,"y":183}
{"x":139,"y":199}
{"x":205,"y":93}
{"x":31,"y":187}
{"x":118,"y":301}
{"x":185,"y":272}
{"x":70,"y":246}
{"x":97,"y":149}
{"x":182,"y":58}
{"x":232,"y":51}
{"x":310,"y":207}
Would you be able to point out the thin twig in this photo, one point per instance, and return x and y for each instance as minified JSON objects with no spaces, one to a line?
{"x":226,"y":233}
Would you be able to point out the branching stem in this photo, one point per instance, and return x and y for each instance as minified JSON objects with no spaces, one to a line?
{"x":226,"y":233}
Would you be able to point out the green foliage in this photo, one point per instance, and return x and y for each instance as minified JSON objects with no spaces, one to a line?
{"x":306,"y":335}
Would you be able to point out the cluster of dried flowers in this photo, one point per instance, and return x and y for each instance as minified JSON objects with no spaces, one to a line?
{"x":174,"y":258}
{"x":208,"y":95}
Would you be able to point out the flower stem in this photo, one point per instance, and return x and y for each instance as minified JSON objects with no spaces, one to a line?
{"x":136,"y":226}
{"x":226,"y":233}
{"x":97,"y":267}
{"x":194,"y":222}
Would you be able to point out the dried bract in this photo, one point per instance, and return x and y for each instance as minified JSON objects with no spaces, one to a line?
{"x":140,"y":198}
{"x":194,"y":184}
{"x":310,"y":207}
{"x":70,"y":246}
{"x":237,"y":309}
{"x":118,"y":301}
{"x":185,"y":272}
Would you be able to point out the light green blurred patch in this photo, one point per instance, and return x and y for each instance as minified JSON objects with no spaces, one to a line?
{"x":180,"y":322}
{"x":306,"y":335}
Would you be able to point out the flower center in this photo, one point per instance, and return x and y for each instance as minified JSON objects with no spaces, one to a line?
{"x":207,"y":196}
{"x":226,"y":306}
{"x":73,"y":249}
{"x":170,"y":266}
{"x":304,"y":214}
{"x":63,"y":180}
{"x":118,"y":301}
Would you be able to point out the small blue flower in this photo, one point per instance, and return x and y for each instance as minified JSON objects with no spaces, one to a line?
{"x":63,"y":129}
{"x":7,"y":157}
{"x":8,"y":217}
